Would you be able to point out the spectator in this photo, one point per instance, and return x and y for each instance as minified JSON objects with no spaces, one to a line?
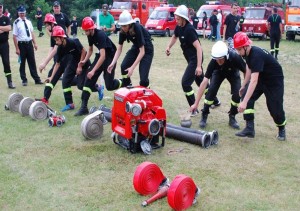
{"x":231,"y":25}
{"x":23,"y":37}
{"x":213,"y":21}
{"x":219,"y":17}
{"x":204,"y":24}
{"x":195,"y":19}
{"x":107,"y":22}
{"x":61,"y":18}
{"x":39,"y":17}
{"x":74,"y":25}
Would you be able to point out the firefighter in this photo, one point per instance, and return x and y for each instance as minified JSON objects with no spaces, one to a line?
{"x":225,"y":64}
{"x":69,"y":53}
{"x":192,"y":52}
{"x":141,"y":53}
{"x":5,"y":27}
{"x":275,"y":29}
{"x":266,"y":78}
{"x":100,"y":64}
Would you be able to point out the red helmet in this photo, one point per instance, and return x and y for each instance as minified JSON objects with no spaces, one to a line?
{"x":87,"y":23}
{"x":58,"y":31}
{"x":241,"y":39}
{"x":49,"y":18}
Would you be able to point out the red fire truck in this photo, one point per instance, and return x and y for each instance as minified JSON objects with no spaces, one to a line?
{"x":292,"y":19}
{"x":256,"y":16}
{"x":139,"y":9}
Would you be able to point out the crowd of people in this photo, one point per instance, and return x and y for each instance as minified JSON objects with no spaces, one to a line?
{"x":71,"y":61}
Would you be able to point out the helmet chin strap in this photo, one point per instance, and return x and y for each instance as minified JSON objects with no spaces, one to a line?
{"x":245,"y":49}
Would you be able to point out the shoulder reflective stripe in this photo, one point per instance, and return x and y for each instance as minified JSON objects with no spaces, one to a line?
{"x":87,"y":89}
{"x":284,"y":123}
{"x":189,"y":93}
{"x":69,"y":89}
{"x":249,"y":111}
{"x":208,"y":102}
{"x":50,"y":85}
{"x":234,"y":103}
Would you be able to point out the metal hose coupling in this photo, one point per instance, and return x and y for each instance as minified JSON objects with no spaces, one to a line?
{"x":57,"y":121}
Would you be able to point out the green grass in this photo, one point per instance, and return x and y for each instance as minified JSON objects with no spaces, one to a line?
{"x":44,"y":168}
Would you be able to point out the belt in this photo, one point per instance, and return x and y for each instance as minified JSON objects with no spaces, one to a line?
{"x":25,"y":42}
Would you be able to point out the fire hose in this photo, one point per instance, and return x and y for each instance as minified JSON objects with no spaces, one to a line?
{"x":92,"y":125}
{"x":148,"y":178}
{"x":25,"y":105}
{"x":38,"y":110}
{"x":182,"y":192}
{"x":214,"y":136}
{"x":193,"y":136}
{"x":13,"y":102}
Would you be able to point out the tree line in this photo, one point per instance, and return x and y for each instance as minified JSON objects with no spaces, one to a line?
{"x":83,"y":8}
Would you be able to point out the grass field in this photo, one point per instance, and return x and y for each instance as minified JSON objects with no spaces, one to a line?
{"x":44,"y":168}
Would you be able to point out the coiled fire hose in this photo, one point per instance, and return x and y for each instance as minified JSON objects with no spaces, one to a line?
{"x":148,"y":178}
{"x":38,"y":110}
{"x":25,"y":105}
{"x":13,"y":102}
{"x":92,"y":125}
{"x":182,"y":192}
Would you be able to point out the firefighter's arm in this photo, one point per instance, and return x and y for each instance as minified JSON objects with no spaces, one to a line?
{"x":69,"y":30}
{"x":200,"y":93}
{"x":197,"y":45}
{"x":16,"y":44}
{"x":56,"y":66}
{"x":50,"y":55}
{"x":137,"y":61}
{"x":100,"y":60}
{"x":87,"y":56}
{"x":80,"y":64}
{"x":98,"y":64}
{"x":171,"y":43}
{"x":224,"y":31}
{"x":117,"y":55}
{"x":5,"y":28}
{"x":247,"y":76}
{"x":250,"y":90}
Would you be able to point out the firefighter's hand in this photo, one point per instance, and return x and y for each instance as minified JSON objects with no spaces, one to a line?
{"x":198,"y":71}
{"x":242,"y":107}
{"x":242,"y":91}
{"x":48,"y":80}
{"x":110,"y":68}
{"x":42,"y":67}
{"x":168,"y":51}
{"x":193,"y":107}
{"x":90,"y":74}
{"x":79,"y":70}
{"x":130,"y":71}
{"x":81,"y":63}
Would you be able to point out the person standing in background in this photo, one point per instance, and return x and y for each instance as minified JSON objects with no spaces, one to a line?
{"x":24,"y":41}
{"x":275,"y":29}
{"x":39,"y":17}
{"x":204,"y":24}
{"x":61,"y":18}
{"x":219,"y":17}
{"x":231,"y":24}
{"x":74,"y":25}
{"x":195,"y":19}
{"x":107,"y":22}
{"x":5,"y":27}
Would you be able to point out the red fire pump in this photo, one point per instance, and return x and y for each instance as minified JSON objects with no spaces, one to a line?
{"x":138,"y":119}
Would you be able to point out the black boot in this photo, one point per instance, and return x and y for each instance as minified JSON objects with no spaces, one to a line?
{"x":248,"y":130}
{"x":203,"y":120}
{"x":10,"y":85}
{"x":83,"y":109}
{"x":281,"y":133}
{"x":233,"y":123}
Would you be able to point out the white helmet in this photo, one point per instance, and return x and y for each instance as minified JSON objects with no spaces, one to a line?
{"x":125,"y":18}
{"x":219,"y":50}
{"x":183,"y":12}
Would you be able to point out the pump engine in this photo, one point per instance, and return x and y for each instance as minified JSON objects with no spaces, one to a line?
{"x":138,"y":119}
